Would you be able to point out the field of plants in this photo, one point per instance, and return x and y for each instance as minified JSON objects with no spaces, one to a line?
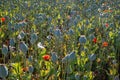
{"x":59,"y":39}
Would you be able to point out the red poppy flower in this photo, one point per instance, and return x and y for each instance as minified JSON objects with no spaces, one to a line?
{"x":95,"y":40}
{"x":106,"y":24}
{"x":105,"y":44}
{"x":2,"y":19}
{"x":46,"y":57}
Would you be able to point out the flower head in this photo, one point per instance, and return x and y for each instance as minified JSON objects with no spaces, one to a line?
{"x":105,"y":44}
{"x":107,"y":25}
{"x":2,"y":19}
{"x":95,"y":40}
{"x":46,"y":57}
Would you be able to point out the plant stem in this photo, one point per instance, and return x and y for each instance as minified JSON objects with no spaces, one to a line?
{"x":4,"y":59}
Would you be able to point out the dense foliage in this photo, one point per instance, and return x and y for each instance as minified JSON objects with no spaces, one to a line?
{"x":59,"y":39}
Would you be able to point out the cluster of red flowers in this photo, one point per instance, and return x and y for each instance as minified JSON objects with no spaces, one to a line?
{"x":104,"y":44}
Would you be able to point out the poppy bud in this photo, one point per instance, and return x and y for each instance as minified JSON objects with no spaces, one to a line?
{"x":82,"y":39}
{"x":4,"y":50}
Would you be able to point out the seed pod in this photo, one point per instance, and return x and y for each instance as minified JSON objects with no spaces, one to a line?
{"x":3,"y":71}
{"x":33,"y":38}
{"x":72,"y":56}
{"x":54,"y":57}
{"x":31,"y":69}
{"x":82,"y":39}
{"x":92,"y":57}
{"x":12,"y":42}
{"x":21,"y":35}
{"x":71,"y":32}
{"x":4,"y":50}
{"x":77,"y":77}
{"x":57,"y":32}
{"x":23,"y":47}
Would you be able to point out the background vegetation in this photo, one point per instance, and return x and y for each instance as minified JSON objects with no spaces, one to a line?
{"x":59,"y":39}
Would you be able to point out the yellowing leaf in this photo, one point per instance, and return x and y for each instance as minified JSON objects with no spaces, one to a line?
{"x":82,"y":53}
{"x":34,"y":27}
{"x":2,"y":35}
{"x":110,"y":34}
{"x":16,"y":68}
{"x":113,"y":71}
{"x":6,"y":13}
{"x":59,"y":16}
